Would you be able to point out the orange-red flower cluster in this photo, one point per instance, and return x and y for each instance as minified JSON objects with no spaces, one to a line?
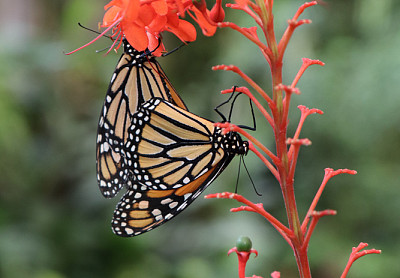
{"x":142,"y":21}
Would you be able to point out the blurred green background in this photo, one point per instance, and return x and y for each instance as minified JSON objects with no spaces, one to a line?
{"x":54,"y":223}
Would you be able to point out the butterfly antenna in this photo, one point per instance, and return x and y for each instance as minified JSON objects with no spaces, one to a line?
{"x":237,"y":179}
{"x":101,"y":50}
{"x":158,"y":45}
{"x":255,"y":189}
{"x":148,"y":52}
{"x":94,"y":31}
{"x":175,"y":49}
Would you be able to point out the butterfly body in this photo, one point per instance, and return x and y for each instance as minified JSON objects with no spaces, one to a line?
{"x":172,"y":156}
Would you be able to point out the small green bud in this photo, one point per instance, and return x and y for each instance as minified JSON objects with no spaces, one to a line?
{"x":243,"y":244}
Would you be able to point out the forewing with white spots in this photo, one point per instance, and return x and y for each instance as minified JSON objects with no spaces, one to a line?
{"x":137,"y":78}
{"x":169,"y":147}
{"x":172,"y":156}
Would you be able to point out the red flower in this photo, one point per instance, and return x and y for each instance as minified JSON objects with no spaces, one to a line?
{"x":123,"y":17}
{"x":202,"y":17}
{"x":141,"y":21}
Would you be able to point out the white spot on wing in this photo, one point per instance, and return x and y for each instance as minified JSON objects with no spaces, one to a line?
{"x":128,"y":231}
{"x":144,"y":204}
{"x":187,"y":195}
{"x":166,"y":201}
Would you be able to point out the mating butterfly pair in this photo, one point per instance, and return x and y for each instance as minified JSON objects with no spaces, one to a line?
{"x":149,"y":143}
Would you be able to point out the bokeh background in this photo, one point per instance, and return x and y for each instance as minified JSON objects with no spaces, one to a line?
{"x":54,"y":223}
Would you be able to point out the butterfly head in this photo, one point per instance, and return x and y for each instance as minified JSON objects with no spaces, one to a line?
{"x":234,"y":144}
{"x":128,"y":47}
{"x":138,"y":56}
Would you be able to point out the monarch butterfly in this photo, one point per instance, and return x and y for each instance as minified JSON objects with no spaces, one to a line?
{"x":137,"y":78}
{"x":172,"y":156}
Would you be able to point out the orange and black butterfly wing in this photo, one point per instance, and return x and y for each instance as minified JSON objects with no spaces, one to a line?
{"x":137,"y":78}
{"x":170,"y":147}
{"x":172,"y":155}
{"x":142,"y":209}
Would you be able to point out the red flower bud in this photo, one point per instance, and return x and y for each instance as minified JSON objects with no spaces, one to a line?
{"x":217,"y":13}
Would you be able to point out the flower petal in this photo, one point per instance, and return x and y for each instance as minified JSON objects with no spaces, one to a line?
{"x":207,"y":28}
{"x":173,"y":19}
{"x":136,"y":36}
{"x":132,"y":10}
{"x":180,"y":6}
{"x":111,"y":16}
{"x":147,"y":14}
{"x":157,"y":25}
{"x":117,"y":3}
{"x":185,"y":31}
{"x":160,"y":6}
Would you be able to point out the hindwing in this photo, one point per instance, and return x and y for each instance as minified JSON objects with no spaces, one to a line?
{"x":142,"y":209}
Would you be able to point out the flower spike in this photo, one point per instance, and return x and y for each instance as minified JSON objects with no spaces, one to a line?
{"x":306,"y":63}
{"x":356,"y":253}
{"x":329,"y":173}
